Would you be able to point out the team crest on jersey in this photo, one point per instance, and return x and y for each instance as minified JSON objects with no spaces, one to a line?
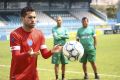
{"x":30,"y":42}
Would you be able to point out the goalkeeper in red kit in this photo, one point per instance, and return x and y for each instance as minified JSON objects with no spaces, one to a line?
{"x":26,"y":43}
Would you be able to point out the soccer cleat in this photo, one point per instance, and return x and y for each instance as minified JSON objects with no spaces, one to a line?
{"x":64,"y":79}
{"x":86,"y":78}
{"x":97,"y":77}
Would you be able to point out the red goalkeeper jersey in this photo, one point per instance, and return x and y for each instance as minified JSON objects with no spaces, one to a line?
{"x":23,"y":66}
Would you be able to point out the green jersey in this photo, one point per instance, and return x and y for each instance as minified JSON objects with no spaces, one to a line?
{"x":60,"y":35}
{"x":85,"y":35}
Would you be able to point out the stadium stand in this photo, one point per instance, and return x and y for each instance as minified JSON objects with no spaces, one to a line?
{"x":93,"y":19}
{"x":45,"y":23}
{"x":69,"y":20}
{"x":47,"y":11}
{"x":118,"y":16}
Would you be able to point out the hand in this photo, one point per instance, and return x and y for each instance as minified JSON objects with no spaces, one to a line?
{"x":30,"y":52}
{"x":57,"y":48}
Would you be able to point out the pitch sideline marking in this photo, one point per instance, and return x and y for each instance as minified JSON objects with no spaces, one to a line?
{"x":74,"y":72}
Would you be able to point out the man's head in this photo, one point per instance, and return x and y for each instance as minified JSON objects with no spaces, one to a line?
{"x":59,"y":21}
{"x":85,"y":22}
{"x":28,"y":16}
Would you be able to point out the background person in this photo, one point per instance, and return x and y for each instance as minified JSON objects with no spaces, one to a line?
{"x":60,"y":34}
{"x":86,"y":35}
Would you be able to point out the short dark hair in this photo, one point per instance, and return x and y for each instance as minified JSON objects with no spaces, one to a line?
{"x":84,"y":18}
{"x":25,"y":10}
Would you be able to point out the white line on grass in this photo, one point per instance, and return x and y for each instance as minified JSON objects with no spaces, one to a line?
{"x":73,"y":72}
{"x":76,"y":72}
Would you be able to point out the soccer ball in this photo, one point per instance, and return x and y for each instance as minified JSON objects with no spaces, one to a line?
{"x":73,"y":50}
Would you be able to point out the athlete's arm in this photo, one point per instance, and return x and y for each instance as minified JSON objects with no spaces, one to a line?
{"x":43,"y":48}
{"x":95,"y":41}
{"x":15,"y":47}
{"x":66,"y":35}
{"x":77,"y":37}
{"x":56,"y":36}
{"x":94,"y":37}
{"x":45,"y":52}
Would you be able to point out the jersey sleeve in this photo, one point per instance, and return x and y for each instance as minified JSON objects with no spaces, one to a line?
{"x":15,"y":47}
{"x":77,"y":35}
{"x":43,"y":48}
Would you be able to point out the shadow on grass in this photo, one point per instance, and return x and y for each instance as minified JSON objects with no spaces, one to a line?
{"x":75,"y":79}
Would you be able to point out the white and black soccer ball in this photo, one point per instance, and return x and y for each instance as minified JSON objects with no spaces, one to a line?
{"x":73,"y":50}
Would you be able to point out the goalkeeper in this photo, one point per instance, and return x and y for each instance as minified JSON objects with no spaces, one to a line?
{"x":60,"y":34}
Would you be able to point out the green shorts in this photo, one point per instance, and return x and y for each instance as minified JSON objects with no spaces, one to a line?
{"x":89,"y":56}
{"x":58,"y":58}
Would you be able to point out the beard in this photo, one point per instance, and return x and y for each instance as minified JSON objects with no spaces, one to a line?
{"x":30,"y":26}
{"x":85,"y":25}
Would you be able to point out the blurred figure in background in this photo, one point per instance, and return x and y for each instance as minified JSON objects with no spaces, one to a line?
{"x":87,"y":37}
{"x":60,"y":34}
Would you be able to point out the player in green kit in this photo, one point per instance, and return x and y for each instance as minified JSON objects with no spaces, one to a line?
{"x":86,"y":35}
{"x":60,"y":34}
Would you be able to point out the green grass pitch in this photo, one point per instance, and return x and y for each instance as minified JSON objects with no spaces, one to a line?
{"x":108,"y":61}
